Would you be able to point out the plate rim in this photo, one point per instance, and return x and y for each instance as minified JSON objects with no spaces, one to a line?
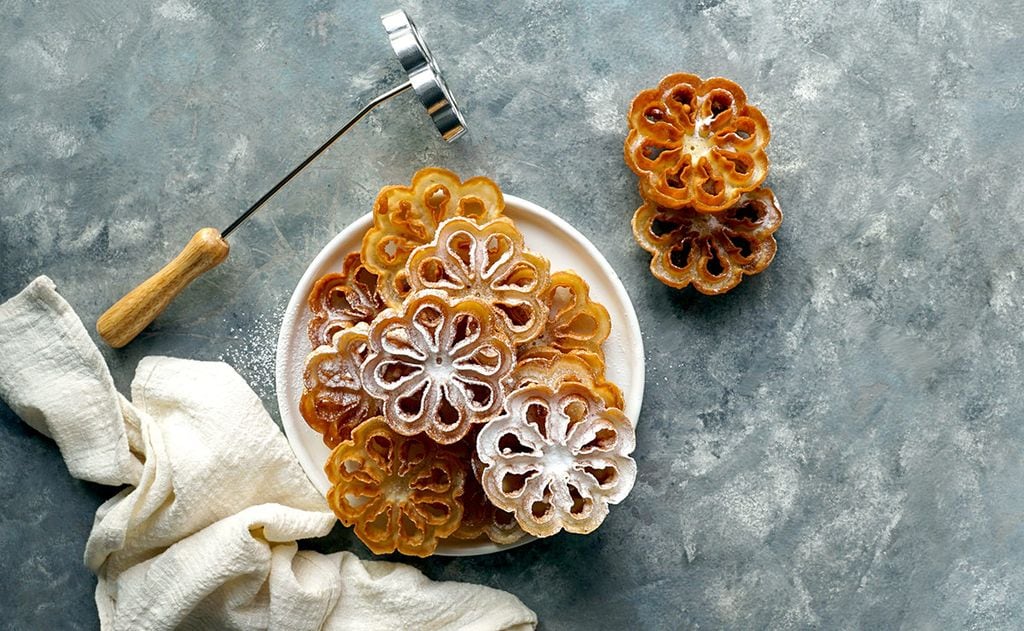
{"x":637,"y":358}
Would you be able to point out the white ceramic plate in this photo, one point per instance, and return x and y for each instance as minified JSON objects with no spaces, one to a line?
{"x":546,"y":234}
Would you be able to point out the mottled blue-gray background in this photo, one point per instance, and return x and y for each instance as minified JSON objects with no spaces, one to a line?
{"x":837,"y":443}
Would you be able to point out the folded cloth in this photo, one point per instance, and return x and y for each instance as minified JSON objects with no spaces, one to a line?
{"x":204,"y":535}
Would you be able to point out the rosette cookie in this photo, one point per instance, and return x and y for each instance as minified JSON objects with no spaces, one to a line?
{"x":400,"y":492}
{"x":712,"y":252}
{"x":696,"y":143}
{"x":575,"y":322}
{"x":406,"y":217}
{"x":333,"y":399}
{"x":438,"y":365}
{"x":488,"y":262}
{"x":557,"y":459}
{"x":552,"y":368}
{"x":341,"y":300}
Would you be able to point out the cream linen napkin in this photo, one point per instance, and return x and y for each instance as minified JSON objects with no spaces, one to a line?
{"x":204,"y":535}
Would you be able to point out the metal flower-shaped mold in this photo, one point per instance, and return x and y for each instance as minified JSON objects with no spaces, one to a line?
{"x":333,"y":399}
{"x":696,"y":143}
{"x":340,"y":300}
{"x":557,"y":459}
{"x":438,"y":365}
{"x":400,"y":492}
{"x":406,"y":217}
{"x":575,"y":322}
{"x":712,"y":252}
{"x":488,"y":262}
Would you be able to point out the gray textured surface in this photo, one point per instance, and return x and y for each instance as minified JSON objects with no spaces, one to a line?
{"x":836,"y":443}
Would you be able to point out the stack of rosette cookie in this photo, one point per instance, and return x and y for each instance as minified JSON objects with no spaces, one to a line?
{"x":698,"y":148}
{"x":459,"y":382}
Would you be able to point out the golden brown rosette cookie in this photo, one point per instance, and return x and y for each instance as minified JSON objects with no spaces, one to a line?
{"x":481,"y":518}
{"x":557,"y":459}
{"x":438,"y":365}
{"x":552,"y":368}
{"x":575,"y":322}
{"x":341,"y":300}
{"x":490,"y":263}
{"x":400,"y":492}
{"x":712,"y":252}
{"x":406,"y":217}
{"x":333,"y":399}
{"x":696,"y":143}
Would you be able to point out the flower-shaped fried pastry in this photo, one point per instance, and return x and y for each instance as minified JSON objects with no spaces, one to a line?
{"x":400,"y":492}
{"x":696,"y":143}
{"x":710,"y":251}
{"x":480,"y":518}
{"x":340,"y":300}
{"x":438,"y":365}
{"x":406,"y":217}
{"x":333,"y":399}
{"x":488,"y":262}
{"x":555,"y":367}
{"x":575,"y":322}
{"x":557,"y":458}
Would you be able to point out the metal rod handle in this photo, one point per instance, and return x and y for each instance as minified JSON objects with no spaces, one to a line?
{"x":313,"y":156}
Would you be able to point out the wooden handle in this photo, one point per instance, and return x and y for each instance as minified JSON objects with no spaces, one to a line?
{"x":132,"y":313}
